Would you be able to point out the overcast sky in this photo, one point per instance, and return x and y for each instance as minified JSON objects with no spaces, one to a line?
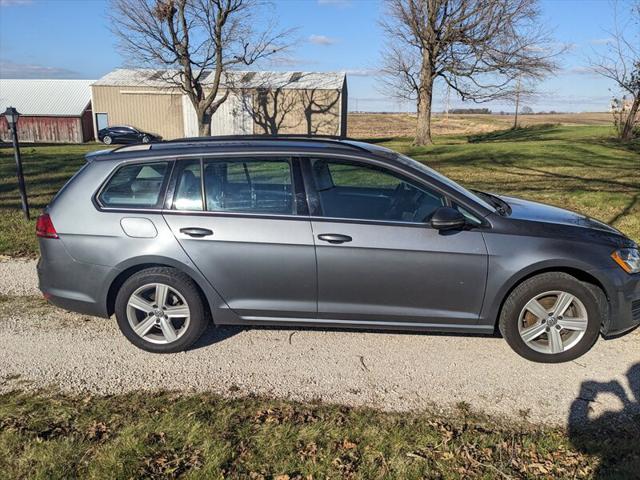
{"x":71,"y":39}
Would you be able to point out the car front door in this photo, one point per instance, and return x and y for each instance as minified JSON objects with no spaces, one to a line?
{"x":130,"y":135}
{"x":379,"y":261}
{"x":244,"y":223}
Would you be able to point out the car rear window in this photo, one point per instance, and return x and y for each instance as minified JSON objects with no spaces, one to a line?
{"x":137,"y":185}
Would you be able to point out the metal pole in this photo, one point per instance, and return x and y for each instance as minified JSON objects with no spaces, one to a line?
{"x":21,"y":185}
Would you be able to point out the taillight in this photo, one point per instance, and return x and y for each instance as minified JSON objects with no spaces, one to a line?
{"x":45,"y":228}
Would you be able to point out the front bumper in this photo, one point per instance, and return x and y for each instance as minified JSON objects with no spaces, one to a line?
{"x":623,"y":294}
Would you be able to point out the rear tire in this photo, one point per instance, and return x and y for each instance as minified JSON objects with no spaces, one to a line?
{"x":161,"y":310}
{"x":146,"y":139}
{"x":551,"y":318}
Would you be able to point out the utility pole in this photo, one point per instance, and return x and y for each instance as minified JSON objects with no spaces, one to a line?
{"x":515,"y":121}
{"x":447,"y":104}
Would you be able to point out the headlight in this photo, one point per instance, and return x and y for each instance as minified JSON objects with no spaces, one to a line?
{"x":628,"y":259}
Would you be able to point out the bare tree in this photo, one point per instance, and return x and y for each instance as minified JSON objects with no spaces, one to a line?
{"x":620,"y":62}
{"x":478,"y":47}
{"x":197,"y":42}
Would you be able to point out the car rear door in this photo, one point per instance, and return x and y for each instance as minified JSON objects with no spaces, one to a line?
{"x":379,"y":262}
{"x":244,"y":223}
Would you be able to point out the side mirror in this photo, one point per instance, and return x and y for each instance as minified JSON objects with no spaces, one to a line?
{"x":447,"y":218}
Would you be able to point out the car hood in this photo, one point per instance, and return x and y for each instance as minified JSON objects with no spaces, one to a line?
{"x":540,"y":212}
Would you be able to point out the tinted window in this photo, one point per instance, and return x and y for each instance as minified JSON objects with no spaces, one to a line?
{"x":366,"y":192}
{"x":248,"y":185}
{"x":137,"y":185}
{"x":189,"y":187}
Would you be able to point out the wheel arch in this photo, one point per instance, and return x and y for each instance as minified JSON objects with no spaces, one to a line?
{"x":581,"y":274}
{"x":130,"y":268}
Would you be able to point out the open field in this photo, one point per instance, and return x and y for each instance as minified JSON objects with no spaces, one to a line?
{"x":577,"y":167}
{"x":376,"y":125}
{"x":166,"y":435}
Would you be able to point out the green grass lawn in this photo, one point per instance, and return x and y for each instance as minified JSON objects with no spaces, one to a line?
{"x":46,"y":169}
{"x":581,"y":168}
{"x":166,"y":435}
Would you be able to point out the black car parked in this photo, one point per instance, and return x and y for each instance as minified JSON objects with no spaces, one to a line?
{"x":125,"y":134}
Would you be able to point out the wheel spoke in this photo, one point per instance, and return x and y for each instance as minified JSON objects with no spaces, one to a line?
{"x":179,"y":311}
{"x":579,"y":324}
{"x":144,"y":326}
{"x":562,"y":303}
{"x":535,"y":307}
{"x":139,"y":303}
{"x":533,"y":332}
{"x":555,"y":341}
{"x":161,"y":294}
{"x":167,"y":329}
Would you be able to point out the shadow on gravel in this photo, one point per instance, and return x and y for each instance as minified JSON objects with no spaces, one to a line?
{"x":219,"y":334}
{"x":213,"y":335}
{"x":613,"y":436}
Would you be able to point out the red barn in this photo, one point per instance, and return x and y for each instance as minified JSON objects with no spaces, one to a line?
{"x":51,"y":111}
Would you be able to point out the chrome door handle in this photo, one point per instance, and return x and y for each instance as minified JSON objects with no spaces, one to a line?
{"x":334,"y":238}
{"x":196,"y":232}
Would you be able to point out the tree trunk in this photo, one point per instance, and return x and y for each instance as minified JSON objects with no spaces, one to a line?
{"x":627,"y":131}
{"x":425,"y":94}
{"x":204,"y":124}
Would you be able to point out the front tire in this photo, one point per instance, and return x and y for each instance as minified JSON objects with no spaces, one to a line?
{"x":107,"y":140}
{"x":146,"y":139}
{"x":160,"y":310}
{"x":551,"y":318}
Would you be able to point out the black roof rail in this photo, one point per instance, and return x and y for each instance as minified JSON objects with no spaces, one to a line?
{"x":130,"y":147}
{"x":285,"y":136}
{"x":327,"y":139}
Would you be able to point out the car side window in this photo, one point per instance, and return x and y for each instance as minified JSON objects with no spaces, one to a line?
{"x":366,"y":192}
{"x":135,"y":185}
{"x":249,"y":186}
{"x":188,"y":194}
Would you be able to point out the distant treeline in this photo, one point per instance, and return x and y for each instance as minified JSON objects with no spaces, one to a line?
{"x":471,"y":110}
{"x":486,"y":111}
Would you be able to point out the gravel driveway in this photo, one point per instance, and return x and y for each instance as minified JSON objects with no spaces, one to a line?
{"x":41,"y":346}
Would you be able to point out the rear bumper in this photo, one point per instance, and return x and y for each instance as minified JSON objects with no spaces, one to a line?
{"x":623,"y":293}
{"x":70,"y":284}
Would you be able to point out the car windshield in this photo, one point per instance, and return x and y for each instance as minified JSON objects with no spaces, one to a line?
{"x":446,"y":180}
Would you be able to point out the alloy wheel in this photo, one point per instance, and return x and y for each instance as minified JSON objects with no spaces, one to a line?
{"x":553,"y":322}
{"x":158,"y":313}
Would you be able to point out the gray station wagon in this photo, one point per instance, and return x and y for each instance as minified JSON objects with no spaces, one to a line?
{"x":327,"y":233}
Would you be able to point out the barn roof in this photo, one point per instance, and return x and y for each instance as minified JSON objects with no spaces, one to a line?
{"x":65,"y":98}
{"x":240,"y":79}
